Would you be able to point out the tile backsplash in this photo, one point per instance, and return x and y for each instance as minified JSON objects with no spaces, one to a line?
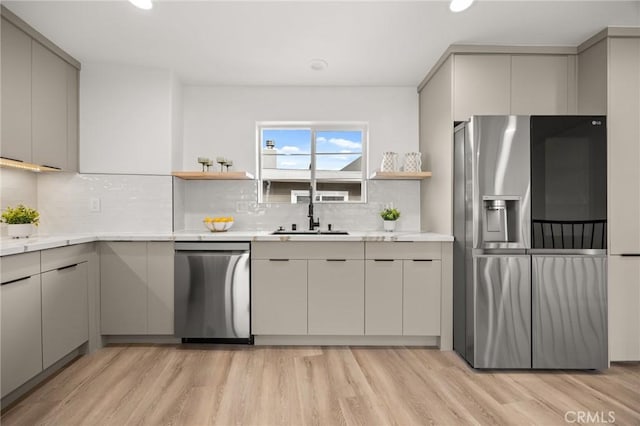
{"x":146,"y":203}
{"x":196,"y":199}
{"x":127,"y":203}
{"x":17,"y":187}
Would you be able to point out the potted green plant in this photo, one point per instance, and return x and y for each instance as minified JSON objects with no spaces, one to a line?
{"x":20,"y":220}
{"x":390,"y":215}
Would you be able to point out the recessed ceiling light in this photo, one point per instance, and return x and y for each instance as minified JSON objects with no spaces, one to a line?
{"x":459,"y":5}
{"x":142,"y":4}
{"x":319,"y":64}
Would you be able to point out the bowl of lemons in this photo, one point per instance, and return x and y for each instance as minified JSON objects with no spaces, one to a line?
{"x":218,"y":223}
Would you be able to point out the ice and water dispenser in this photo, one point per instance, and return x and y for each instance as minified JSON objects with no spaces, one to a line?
{"x":500,"y":218}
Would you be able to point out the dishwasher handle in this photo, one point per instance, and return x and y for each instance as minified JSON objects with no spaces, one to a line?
{"x":213,"y":246}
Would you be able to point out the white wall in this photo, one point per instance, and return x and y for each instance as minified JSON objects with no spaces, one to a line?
{"x":126,"y":119}
{"x":221,"y":121}
{"x":177,"y":127}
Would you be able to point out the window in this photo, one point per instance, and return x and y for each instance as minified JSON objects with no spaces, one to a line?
{"x":326,"y":157}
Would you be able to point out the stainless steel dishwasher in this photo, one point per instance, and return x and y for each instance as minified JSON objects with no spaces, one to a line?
{"x":212,"y":292}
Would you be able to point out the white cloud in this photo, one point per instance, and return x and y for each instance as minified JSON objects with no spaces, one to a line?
{"x":289,"y":150}
{"x":345,"y":143}
{"x":321,"y":139}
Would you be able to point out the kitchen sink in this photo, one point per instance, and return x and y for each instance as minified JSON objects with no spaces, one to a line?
{"x":285,"y":232}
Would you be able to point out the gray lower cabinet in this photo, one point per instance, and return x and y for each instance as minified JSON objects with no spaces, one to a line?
{"x":136,"y":288}
{"x":123,"y":287}
{"x":383,"y":297}
{"x":21,"y":344}
{"x":624,"y":308}
{"x":336,"y":297}
{"x":65,"y":314}
{"x":159,"y":288}
{"x":421,"y":297}
{"x":279,"y":297}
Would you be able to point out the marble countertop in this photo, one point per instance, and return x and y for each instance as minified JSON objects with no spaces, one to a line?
{"x":42,"y":242}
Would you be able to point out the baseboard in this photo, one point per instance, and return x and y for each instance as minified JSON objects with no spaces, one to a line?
{"x":430,"y":341}
{"x":159,"y":339}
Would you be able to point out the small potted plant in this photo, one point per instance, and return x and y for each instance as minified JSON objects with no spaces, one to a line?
{"x":20,"y":220}
{"x":390,"y":216}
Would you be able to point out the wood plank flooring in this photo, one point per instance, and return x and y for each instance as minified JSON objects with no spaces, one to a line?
{"x":232,"y":385}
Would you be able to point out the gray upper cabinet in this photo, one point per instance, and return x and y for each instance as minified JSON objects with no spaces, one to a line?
{"x":540,"y":84}
{"x":39,"y":98}
{"x":73,"y":110}
{"x":623,"y":134}
{"x":16,"y":93}
{"x":481,"y":85}
{"x":49,"y":108}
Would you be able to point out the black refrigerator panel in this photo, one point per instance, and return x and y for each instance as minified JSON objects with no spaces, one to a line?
{"x":568,"y":182}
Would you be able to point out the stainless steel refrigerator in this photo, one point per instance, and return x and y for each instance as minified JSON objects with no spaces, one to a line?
{"x":530,"y":242}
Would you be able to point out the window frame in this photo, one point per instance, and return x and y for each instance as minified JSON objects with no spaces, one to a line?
{"x":314,"y":127}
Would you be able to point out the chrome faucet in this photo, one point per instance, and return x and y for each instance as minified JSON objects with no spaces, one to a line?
{"x":312,"y":223}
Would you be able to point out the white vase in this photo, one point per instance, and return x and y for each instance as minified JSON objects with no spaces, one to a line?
{"x":389,"y":162}
{"x":412,"y":162}
{"x":389,"y":225}
{"x":21,"y":230}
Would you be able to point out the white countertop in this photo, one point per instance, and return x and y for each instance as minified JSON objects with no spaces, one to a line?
{"x":14,"y":246}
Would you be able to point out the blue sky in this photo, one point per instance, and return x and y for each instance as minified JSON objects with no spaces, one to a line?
{"x":294,"y":147}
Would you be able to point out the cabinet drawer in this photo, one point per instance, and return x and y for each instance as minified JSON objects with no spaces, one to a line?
{"x":307,"y":250}
{"x":403,"y":250}
{"x":19,"y":266}
{"x":64,"y":256}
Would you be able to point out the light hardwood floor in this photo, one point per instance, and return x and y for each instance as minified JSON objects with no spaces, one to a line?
{"x":225,"y":385}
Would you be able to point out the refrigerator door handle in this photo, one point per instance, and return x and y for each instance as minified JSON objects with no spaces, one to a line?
{"x":568,"y":252}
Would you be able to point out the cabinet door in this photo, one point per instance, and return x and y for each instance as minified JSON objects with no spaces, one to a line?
{"x":279,"y":297}
{"x":383,"y":297}
{"x":421,"y":311}
{"x":160,"y":287}
{"x":65,"y":314}
{"x":623,"y":135}
{"x":540,"y":84}
{"x":49,"y":107}
{"x":481,"y":85}
{"x":624,"y":308}
{"x":21,"y":344}
{"x":123,"y":287}
{"x":16,"y":93}
{"x":72,"y":118}
{"x":336,"y":297}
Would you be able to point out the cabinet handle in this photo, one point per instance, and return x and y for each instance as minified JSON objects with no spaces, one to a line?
{"x":630,"y":254}
{"x":67,"y":267}
{"x":278,"y":260}
{"x":336,"y":260}
{"x":384,"y":260}
{"x":16,"y":280}
{"x":422,"y":260}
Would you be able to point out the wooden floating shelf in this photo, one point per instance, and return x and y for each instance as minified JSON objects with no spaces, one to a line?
{"x":400,"y":175}
{"x":213,"y":175}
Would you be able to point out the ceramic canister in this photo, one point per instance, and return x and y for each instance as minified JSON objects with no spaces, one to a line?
{"x":412,"y":162}
{"x":389,"y":162}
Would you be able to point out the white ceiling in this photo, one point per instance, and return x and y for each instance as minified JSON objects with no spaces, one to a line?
{"x":365,"y":43}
